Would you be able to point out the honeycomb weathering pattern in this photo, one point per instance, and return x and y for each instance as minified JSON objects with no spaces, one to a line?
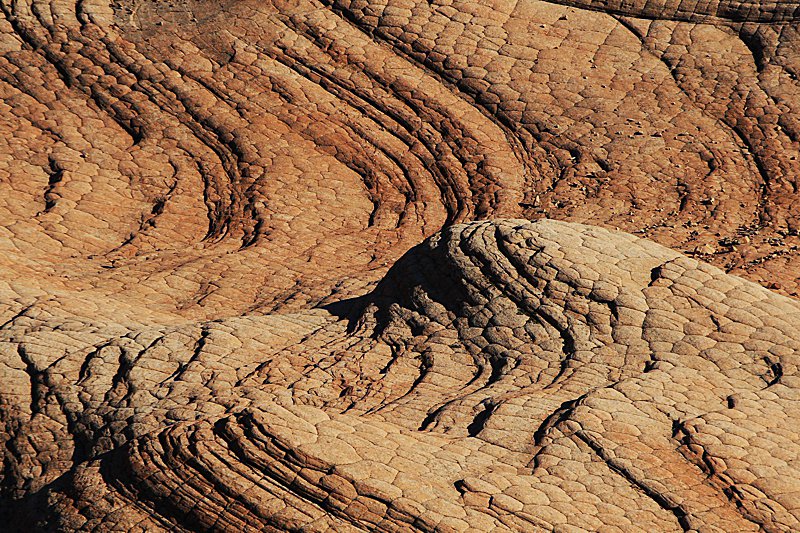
{"x":215,"y":313}
{"x":504,"y":376}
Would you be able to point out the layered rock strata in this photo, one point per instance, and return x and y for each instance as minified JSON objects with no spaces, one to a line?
{"x":503,"y":376}
{"x":209,"y":157}
{"x":215,"y":313}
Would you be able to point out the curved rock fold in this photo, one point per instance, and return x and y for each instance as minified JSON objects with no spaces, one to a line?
{"x":505,"y":375}
{"x":399,"y":266}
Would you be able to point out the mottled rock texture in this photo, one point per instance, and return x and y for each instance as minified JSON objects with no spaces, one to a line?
{"x":216,"y":313}
{"x":503,"y":376}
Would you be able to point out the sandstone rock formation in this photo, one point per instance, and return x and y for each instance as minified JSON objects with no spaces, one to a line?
{"x":503,"y":376}
{"x":215,"y":313}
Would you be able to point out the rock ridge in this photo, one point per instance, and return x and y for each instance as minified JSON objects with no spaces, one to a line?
{"x":394,"y":265}
{"x":505,"y":375}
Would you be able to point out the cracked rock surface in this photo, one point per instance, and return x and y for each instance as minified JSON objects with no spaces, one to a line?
{"x":504,"y":375}
{"x":216,"y":313}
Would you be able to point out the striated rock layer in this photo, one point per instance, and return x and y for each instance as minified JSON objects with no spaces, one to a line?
{"x":216,"y":313}
{"x":209,"y":158}
{"x":503,"y":376}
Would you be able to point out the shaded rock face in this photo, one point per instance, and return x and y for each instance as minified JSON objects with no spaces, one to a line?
{"x":216,"y":313}
{"x":504,"y":375}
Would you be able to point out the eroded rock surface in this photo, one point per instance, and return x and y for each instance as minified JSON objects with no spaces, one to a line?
{"x":208,"y":158}
{"x":215,"y":313}
{"x":503,"y":376}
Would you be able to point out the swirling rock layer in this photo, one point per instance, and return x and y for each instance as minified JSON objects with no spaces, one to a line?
{"x":503,"y":376}
{"x":209,"y":158}
{"x":215,"y":313}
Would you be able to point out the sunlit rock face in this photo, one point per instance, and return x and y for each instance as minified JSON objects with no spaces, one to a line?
{"x":392,"y":266}
{"x":503,"y":376}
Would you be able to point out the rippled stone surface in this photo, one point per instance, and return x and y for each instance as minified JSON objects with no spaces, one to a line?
{"x":215,"y":313}
{"x":503,"y":376}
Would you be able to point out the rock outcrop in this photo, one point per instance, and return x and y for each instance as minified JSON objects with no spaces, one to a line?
{"x":503,"y":376}
{"x":216,"y":313}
